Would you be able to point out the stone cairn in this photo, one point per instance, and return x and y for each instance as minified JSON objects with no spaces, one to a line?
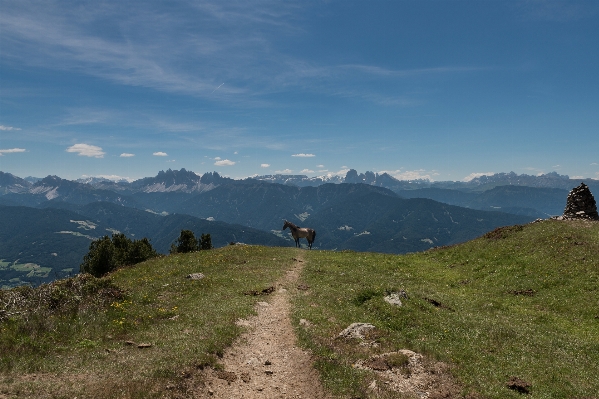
{"x":581,"y":204}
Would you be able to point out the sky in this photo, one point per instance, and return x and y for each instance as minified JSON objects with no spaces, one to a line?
{"x":440,"y":90}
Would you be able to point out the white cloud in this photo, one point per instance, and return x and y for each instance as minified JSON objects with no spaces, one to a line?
{"x":2,"y":127}
{"x":160,"y":154}
{"x":217,"y":158}
{"x":126,"y":155}
{"x":224,"y":162}
{"x":284,"y":171}
{"x":307,"y":171}
{"x":410,"y":174}
{"x":475,"y":175}
{"x":11,"y":150}
{"x":265,"y":165}
{"x":303,"y":155}
{"x":235,"y":153}
{"x":320,"y":166}
{"x":115,"y":178}
{"x":341,"y":172}
{"x":594,"y":164}
{"x":87,"y":150}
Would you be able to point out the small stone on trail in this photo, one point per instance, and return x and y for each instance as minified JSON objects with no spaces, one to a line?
{"x":267,"y":363}
{"x":142,"y":346}
{"x":305,"y":323}
{"x":269,"y":372}
{"x":129,"y":343}
{"x":195,"y":276}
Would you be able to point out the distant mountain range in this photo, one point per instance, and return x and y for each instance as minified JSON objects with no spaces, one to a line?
{"x":47,"y":224}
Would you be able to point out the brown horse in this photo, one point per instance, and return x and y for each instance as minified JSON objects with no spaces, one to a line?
{"x":300,"y":232}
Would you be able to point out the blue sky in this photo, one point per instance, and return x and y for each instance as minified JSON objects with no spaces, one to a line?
{"x":442,"y":90}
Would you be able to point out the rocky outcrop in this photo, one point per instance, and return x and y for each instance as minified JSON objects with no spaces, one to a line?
{"x":581,"y":204}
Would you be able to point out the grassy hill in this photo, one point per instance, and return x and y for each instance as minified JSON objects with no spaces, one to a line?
{"x":520,"y":301}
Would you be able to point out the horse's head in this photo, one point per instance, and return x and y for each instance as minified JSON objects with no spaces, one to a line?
{"x":286,"y":224}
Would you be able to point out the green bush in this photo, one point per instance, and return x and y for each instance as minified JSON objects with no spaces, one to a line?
{"x":106,"y":254}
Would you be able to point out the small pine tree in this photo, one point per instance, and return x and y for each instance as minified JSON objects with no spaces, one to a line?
{"x":205,"y":242}
{"x":185,"y":243}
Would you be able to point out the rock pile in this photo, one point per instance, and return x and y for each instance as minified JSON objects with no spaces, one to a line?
{"x":581,"y":204}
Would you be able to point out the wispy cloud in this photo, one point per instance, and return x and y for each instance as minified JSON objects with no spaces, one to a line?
{"x":304,"y":155}
{"x":9,"y":128}
{"x":265,"y":165}
{"x":157,"y":45}
{"x":284,"y":172}
{"x":224,"y":162}
{"x":474,"y":175}
{"x":307,"y":171}
{"x":160,"y":154}
{"x":87,"y":150}
{"x":11,"y":150}
{"x":126,"y":155}
{"x":384,"y":72}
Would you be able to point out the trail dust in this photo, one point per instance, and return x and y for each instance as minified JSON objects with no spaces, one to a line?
{"x":265,"y":362}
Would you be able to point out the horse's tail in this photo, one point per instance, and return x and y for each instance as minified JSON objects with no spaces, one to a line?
{"x":313,"y":235}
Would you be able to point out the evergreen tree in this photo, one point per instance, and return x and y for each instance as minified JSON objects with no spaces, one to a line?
{"x":205,"y":242}
{"x":185,"y":243}
{"x":106,"y":254}
{"x":100,"y":259}
{"x":139,"y":251}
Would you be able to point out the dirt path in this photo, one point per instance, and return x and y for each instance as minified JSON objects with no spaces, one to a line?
{"x":266,"y":362}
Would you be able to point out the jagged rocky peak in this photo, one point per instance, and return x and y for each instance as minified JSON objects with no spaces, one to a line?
{"x":211,"y":177}
{"x":353,"y":177}
{"x":581,"y":204}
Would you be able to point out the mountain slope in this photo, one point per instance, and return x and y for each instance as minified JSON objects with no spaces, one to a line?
{"x":264,"y":205}
{"x":537,"y":202}
{"x":348,"y":216}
